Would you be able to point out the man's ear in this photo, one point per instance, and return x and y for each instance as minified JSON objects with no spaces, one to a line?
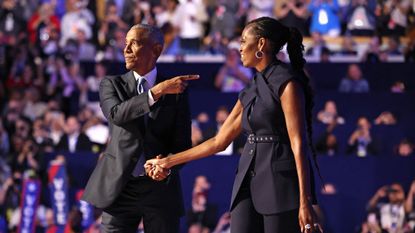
{"x":157,"y":49}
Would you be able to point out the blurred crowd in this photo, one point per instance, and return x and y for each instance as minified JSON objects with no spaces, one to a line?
{"x":390,"y":211}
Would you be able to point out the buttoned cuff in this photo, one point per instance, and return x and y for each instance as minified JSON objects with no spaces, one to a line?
{"x":151,"y":100}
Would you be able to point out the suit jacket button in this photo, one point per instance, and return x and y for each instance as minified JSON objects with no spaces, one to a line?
{"x":252,"y":173}
{"x":251,"y":151}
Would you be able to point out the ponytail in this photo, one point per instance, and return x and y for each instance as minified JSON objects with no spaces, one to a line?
{"x":295,"y":49}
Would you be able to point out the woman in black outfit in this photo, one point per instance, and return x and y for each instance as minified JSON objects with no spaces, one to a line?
{"x":274,"y":187}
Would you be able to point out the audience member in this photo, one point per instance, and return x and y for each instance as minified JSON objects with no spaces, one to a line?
{"x":111,"y":22}
{"x":317,"y":46}
{"x":392,"y":212}
{"x":166,"y":13}
{"x":232,"y":76}
{"x":354,"y":81}
{"x":398,"y":87}
{"x":327,"y":142}
{"x":405,"y":148}
{"x":371,"y":225}
{"x":224,"y":20}
{"x":361,"y":19}
{"x":324,"y":19}
{"x":385,"y":118}
{"x":197,"y":135}
{"x":348,"y":46}
{"x":74,"y":140}
{"x":397,"y":16}
{"x":79,"y":17}
{"x":374,"y":54}
{"x":189,"y":19}
{"x":201,"y":218}
{"x":293,"y":13}
{"x":259,"y":8}
{"x":329,"y":114}
{"x":361,"y":142}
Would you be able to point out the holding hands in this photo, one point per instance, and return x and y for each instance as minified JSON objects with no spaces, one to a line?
{"x":156,"y":168}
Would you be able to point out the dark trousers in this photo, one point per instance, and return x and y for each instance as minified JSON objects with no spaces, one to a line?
{"x":245,"y":219}
{"x":140,"y":200}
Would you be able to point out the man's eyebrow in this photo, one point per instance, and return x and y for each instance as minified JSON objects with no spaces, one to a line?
{"x":132,"y":40}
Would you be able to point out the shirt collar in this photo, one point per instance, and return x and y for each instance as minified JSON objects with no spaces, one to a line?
{"x":150,"y":77}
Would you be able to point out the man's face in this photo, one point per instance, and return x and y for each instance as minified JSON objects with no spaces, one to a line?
{"x":140,"y":53}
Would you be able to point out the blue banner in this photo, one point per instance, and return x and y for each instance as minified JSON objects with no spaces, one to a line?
{"x":58,"y":186}
{"x":86,"y":209}
{"x":28,"y":205}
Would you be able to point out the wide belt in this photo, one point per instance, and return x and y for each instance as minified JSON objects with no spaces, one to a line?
{"x":252,"y":138}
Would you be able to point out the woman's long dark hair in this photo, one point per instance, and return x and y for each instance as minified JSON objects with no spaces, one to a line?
{"x":279,"y":35}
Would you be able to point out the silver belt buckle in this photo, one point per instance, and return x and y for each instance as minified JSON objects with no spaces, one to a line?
{"x":251,"y":139}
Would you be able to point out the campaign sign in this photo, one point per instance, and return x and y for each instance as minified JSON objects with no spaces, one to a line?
{"x":86,"y":210}
{"x":58,"y":187}
{"x":28,"y":205}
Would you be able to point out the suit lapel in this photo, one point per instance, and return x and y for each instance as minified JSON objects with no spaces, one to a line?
{"x":130,"y":84}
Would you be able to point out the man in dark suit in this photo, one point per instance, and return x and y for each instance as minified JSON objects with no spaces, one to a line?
{"x":73,"y":140}
{"x":148,"y":117}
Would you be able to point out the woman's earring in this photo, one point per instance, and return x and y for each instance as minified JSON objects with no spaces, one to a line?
{"x":259,"y":54}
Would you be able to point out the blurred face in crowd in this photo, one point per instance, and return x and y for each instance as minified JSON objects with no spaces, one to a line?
{"x":232,"y":56}
{"x":9,"y":4}
{"x":201,"y":184}
{"x":249,"y":45}
{"x":330,"y":107}
{"x":100,"y":70}
{"x":140,"y":51}
{"x":22,"y":128}
{"x":363,"y":123}
{"x":74,"y":69}
{"x":72,"y":125}
{"x":354,"y":72}
{"x":396,"y":194}
{"x":221,"y":116}
{"x":46,"y":10}
{"x":405,"y":149}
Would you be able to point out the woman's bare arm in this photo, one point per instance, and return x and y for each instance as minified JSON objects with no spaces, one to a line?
{"x":293,"y":105}
{"x":227,"y":133}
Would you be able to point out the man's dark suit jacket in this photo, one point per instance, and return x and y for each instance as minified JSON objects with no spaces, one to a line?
{"x":167,"y":131}
{"x":82,"y":144}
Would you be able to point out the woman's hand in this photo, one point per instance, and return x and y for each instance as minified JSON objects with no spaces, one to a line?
{"x":308,"y":220}
{"x":156,"y":168}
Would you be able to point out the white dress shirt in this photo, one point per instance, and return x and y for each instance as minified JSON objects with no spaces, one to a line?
{"x":150,"y":78}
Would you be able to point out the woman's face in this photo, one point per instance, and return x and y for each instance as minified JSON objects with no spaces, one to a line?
{"x":249,"y":45}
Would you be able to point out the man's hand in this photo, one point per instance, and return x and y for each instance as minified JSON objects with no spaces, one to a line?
{"x":172,"y":86}
{"x":155,"y":170}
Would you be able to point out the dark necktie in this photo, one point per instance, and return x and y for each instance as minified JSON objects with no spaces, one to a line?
{"x":139,"y":167}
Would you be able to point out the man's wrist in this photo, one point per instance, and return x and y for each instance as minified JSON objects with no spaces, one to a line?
{"x":156,"y":93}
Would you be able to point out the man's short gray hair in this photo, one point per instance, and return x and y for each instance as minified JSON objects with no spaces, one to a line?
{"x":153,"y":33}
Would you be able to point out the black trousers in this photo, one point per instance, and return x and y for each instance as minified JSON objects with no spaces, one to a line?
{"x":245,"y":219}
{"x":140,"y":200}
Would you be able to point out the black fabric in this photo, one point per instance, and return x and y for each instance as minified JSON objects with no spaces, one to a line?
{"x":245,"y":218}
{"x":140,"y":200}
{"x":274,"y":182}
